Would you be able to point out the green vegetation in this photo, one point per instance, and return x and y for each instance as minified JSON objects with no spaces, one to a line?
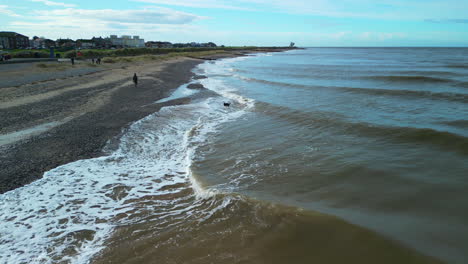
{"x":94,"y":53}
{"x":161,"y":57}
{"x":30,"y":54}
{"x":22,"y":53}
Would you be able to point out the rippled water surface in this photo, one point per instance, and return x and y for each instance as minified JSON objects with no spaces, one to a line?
{"x":376,"y":136}
{"x":326,"y":155}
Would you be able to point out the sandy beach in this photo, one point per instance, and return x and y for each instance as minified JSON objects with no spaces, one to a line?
{"x":55,"y":114}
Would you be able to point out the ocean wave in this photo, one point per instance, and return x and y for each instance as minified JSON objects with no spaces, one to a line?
{"x":457,"y":123}
{"x":276,"y":83}
{"x":407,"y":79}
{"x":442,"y":139}
{"x":458,"y":66}
{"x":455,"y":97}
{"x":426,"y":73}
{"x":334,"y":122}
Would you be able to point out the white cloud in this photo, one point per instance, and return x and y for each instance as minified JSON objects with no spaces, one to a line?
{"x":196,"y":3}
{"x":52,"y":3}
{"x":88,"y":29}
{"x":384,"y":9}
{"x":84,"y":23}
{"x":145,"y":16}
{"x":6,"y":11}
{"x":250,"y":5}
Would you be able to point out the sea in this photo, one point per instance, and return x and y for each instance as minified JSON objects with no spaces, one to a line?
{"x":325,"y":155}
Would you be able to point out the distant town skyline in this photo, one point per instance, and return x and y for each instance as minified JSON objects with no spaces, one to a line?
{"x":14,"y":40}
{"x":242,"y":22}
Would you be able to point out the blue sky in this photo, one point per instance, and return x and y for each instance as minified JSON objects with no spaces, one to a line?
{"x":242,"y":22}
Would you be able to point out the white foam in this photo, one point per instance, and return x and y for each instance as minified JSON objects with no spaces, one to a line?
{"x":216,"y":72}
{"x":68,"y":214}
{"x":77,"y":197}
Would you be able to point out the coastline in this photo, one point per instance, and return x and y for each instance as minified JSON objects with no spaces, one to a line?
{"x":59,"y":115}
{"x":113,"y":105}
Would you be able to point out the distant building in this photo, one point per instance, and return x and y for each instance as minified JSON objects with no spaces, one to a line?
{"x":48,"y":43}
{"x":65,"y":43}
{"x":13,"y":40}
{"x":179,"y":45}
{"x":209,"y":45}
{"x":85,"y":43}
{"x":41,"y":43}
{"x":158,"y":44}
{"x":195,"y":45}
{"x":127,"y":41}
{"x":102,"y":42}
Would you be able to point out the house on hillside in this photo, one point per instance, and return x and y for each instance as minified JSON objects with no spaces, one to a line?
{"x":13,"y":40}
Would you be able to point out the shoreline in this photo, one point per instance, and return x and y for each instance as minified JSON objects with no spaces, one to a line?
{"x":54,"y":113}
{"x":49,"y":122}
{"x":100,"y":122}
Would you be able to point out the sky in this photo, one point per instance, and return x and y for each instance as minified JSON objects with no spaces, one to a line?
{"x":308,"y":23}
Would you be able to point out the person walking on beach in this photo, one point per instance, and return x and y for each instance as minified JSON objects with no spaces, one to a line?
{"x":72,"y":61}
{"x":135,"y":79}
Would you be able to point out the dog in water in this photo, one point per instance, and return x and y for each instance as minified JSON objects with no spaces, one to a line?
{"x":227,"y":104}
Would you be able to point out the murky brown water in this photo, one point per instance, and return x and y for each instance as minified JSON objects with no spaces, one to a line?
{"x":233,"y":229}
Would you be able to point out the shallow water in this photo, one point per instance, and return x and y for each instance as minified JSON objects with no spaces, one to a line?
{"x":378,"y":137}
{"x":326,"y":155}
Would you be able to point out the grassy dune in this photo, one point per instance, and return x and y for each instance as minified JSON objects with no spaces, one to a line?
{"x":93,"y":53}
